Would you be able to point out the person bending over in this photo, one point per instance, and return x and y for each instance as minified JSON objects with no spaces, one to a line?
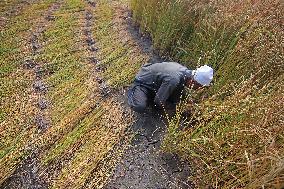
{"x":162,"y":84}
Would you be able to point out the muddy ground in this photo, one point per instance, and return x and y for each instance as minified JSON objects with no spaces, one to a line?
{"x":144,"y":164}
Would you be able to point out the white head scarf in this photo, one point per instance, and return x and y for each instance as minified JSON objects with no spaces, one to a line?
{"x":203,"y":75}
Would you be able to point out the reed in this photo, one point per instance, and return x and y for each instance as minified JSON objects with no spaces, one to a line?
{"x":235,"y":132}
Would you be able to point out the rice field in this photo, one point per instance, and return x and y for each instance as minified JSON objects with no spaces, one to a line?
{"x":65,"y":65}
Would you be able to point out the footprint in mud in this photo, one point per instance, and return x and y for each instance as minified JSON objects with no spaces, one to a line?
{"x":50,"y":18}
{"x":42,"y":123}
{"x":42,"y":104}
{"x":93,"y":49}
{"x":90,"y":41}
{"x":39,"y":86}
{"x":92,"y":3}
{"x":89,"y":16}
{"x":34,"y":43}
{"x":29,"y":64}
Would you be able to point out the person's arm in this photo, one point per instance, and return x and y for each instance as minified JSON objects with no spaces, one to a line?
{"x":165,"y":90}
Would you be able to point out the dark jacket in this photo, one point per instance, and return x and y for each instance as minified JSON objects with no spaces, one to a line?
{"x":166,"y":79}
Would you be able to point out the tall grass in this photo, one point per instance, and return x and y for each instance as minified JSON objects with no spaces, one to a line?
{"x":234,"y":136}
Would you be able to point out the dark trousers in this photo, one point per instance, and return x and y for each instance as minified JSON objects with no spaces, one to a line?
{"x":140,"y":97}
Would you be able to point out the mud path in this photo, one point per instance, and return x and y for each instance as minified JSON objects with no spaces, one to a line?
{"x":144,"y":164}
{"x":40,"y":88}
{"x":26,"y":174}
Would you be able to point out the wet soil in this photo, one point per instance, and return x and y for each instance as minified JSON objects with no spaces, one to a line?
{"x":144,"y":164}
{"x":143,"y":39}
{"x":26,"y":175}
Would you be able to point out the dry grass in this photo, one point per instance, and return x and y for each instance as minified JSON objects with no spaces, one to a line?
{"x":234,"y":137}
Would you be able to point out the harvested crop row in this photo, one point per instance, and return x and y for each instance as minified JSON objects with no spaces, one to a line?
{"x":17,"y":102}
{"x":12,"y":8}
{"x":85,"y":126}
